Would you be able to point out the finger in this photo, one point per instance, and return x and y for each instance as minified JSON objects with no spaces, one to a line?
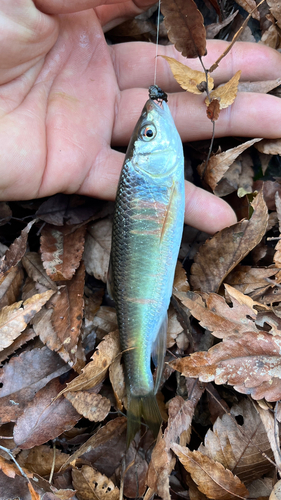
{"x":251,"y":115}
{"x":257,"y":62}
{"x":70,"y":6}
{"x":203,"y":210}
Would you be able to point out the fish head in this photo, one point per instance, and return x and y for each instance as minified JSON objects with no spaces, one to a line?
{"x":155,"y":147}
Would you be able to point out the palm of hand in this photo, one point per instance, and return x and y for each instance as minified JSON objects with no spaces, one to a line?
{"x":58,"y":117}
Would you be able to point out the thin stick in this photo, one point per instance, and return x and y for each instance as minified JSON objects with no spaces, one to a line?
{"x":53,"y":464}
{"x":157,"y":41}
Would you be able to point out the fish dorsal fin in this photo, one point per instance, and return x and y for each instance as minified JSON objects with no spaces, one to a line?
{"x":109,"y":283}
{"x":159,"y":351}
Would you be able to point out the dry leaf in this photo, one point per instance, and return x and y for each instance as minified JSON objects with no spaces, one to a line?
{"x":92,"y":485}
{"x":14,"y":318}
{"x":214,"y":314}
{"x":95,"y":371}
{"x":97,"y":249}
{"x":249,"y":5}
{"x":106,"y":446}
{"x":16,"y":251}
{"x":189,"y":79}
{"x":45,"y":417}
{"x":276,"y":492}
{"x":219,"y":164}
{"x":259,"y":87}
{"x":61,"y":250}
{"x":40,"y":459}
{"x":185,"y":27}
{"x":213,"y":29}
{"x":5,"y":213}
{"x":213,"y":110}
{"x":240,"y":448}
{"x":226,"y":93}
{"x":35,"y":270}
{"x":249,"y":363}
{"x":66,"y":320}
{"x":117,"y":379}
{"x":249,"y":279}
{"x":274,"y":6}
{"x":162,"y":462}
{"x":269,"y":146}
{"x":10,"y":286}
{"x":219,"y":255}
{"x":180,"y":280}
{"x":211,"y":477}
{"x":92,"y":406}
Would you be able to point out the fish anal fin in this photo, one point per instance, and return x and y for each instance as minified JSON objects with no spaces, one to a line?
{"x":159,"y":351}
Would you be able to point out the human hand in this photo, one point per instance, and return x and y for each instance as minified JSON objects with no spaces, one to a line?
{"x":66,"y":97}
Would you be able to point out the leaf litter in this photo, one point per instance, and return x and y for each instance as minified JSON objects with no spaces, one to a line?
{"x":62,"y":384}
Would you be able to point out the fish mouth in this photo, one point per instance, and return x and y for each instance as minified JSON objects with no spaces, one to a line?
{"x":151,"y":105}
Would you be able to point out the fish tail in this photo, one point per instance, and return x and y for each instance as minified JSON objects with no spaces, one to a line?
{"x":146,"y":407}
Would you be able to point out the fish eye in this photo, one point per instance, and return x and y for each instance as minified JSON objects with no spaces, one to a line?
{"x":148,"y":132}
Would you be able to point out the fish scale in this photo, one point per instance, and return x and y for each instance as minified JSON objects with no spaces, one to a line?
{"x":147,"y":229}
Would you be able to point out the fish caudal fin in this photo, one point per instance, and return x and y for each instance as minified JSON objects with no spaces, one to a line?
{"x":146,"y":407}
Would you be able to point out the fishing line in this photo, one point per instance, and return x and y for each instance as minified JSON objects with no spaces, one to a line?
{"x":157,"y":40}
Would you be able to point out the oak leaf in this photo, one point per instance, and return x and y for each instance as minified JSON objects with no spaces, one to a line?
{"x":189,"y":79}
{"x":211,"y":477}
{"x":185,"y":27}
{"x":14,"y":318}
{"x":61,"y":250}
{"x":219,"y":255}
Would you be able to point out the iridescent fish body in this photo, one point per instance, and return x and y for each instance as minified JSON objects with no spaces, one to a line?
{"x":147,"y":231}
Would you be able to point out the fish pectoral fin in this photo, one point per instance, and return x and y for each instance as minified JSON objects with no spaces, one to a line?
{"x":159,"y":351}
{"x":146,"y":407}
{"x":166,"y":220}
{"x":109,"y":282}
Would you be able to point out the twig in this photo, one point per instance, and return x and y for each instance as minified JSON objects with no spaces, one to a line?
{"x":53,"y":463}
{"x":215,"y":65}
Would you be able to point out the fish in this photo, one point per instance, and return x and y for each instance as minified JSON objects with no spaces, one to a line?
{"x":146,"y":235}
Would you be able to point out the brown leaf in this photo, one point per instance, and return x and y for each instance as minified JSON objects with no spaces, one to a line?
{"x":226,"y":93}
{"x":180,"y":280}
{"x":92,"y":406}
{"x":213,"y":110}
{"x":269,"y":146}
{"x":45,"y":419}
{"x":249,"y":279}
{"x":136,"y":472}
{"x":16,"y":251}
{"x":249,"y":363}
{"x":35,"y":270}
{"x":249,"y":5}
{"x":219,"y":164}
{"x":219,"y":255}
{"x":162,"y":462}
{"x":106,"y":447}
{"x":276,"y":492}
{"x":240,"y":448}
{"x":189,"y":79}
{"x":92,"y":485}
{"x":95,"y":371}
{"x":274,"y":6}
{"x":259,"y":87}
{"x":213,"y":29}
{"x":5,"y":213}
{"x":14,"y":318}
{"x":10,"y":286}
{"x":19,"y":384}
{"x":27,"y":335}
{"x":61,"y":250}
{"x":185,"y":27}
{"x":66,"y":209}
{"x":216,"y":315}
{"x":117,"y":379}
{"x":67,"y":317}
{"x":97,"y":249}
{"x":40,"y":459}
{"x":210,"y":476}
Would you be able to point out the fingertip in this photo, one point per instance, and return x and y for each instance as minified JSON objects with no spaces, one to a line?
{"x":205,"y":211}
